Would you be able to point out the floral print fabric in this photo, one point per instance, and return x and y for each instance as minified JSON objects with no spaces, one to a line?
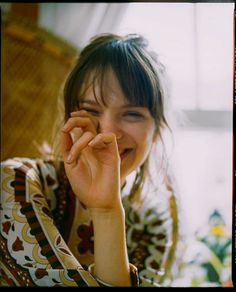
{"x":46,"y":234}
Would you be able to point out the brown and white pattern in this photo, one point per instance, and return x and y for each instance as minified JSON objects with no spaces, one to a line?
{"x":46,"y":234}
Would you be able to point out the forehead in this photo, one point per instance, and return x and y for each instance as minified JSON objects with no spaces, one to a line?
{"x":102,"y":87}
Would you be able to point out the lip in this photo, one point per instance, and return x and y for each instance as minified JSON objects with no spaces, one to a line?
{"x":124,"y":153}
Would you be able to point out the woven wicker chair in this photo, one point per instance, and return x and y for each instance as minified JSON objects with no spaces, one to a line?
{"x":34,"y":66}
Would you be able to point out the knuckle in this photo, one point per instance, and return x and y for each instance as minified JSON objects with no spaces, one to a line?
{"x":90,"y":134}
{"x":100,"y":136}
{"x":69,"y":122}
{"x":86,"y":119}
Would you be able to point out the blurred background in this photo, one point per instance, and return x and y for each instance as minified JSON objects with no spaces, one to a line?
{"x":195,"y":42}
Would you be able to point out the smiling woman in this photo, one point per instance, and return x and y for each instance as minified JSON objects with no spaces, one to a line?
{"x":133,"y":125}
{"x":60,"y":214}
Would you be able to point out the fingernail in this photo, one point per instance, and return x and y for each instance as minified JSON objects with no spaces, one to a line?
{"x":65,"y":128}
{"x":69,"y":158}
{"x":91,"y":143}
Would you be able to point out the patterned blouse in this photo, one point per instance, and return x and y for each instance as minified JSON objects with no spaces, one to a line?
{"x":46,"y":234}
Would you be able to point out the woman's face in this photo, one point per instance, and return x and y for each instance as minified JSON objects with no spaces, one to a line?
{"x":133,"y":126}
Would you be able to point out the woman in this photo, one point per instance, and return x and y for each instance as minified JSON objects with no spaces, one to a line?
{"x":98,"y":216}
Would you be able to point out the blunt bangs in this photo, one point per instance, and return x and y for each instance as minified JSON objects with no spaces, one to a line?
{"x":137,"y":80}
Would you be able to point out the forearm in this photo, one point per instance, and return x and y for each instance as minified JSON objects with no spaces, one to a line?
{"x":110,"y":252}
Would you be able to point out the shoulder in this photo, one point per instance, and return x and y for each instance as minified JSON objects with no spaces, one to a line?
{"x":18,"y":169}
{"x":28,"y":166}
{"x":23,"y":176}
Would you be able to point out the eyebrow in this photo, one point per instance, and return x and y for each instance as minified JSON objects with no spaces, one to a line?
{"x":94,"y":103}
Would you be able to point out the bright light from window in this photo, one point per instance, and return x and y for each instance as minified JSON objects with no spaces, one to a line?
{"x":195,"y":43}
{"x":214,"y":29}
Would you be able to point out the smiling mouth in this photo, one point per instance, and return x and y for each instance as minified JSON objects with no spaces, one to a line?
{"x":124,"y":153}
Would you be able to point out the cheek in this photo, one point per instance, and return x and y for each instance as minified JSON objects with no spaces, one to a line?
{"x":142,"y":137}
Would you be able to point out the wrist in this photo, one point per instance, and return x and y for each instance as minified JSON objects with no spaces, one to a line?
{"x":112,"y":207}
{"x":116,"y":212}
{"x":110,"y":235}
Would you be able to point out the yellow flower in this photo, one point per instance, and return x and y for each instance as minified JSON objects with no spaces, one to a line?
{"x":218,"y":230}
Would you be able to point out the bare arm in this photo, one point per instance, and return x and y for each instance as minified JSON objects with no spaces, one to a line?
{"x":94,"y":174}
{"x":111,"y":260}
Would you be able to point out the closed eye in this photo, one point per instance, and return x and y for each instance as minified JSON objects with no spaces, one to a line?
{"x":133,"y":114}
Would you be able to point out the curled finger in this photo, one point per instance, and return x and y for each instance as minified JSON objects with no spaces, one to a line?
{"x":103,"y":140}
{"x":85,"y":123}
{"x":84,"y":113}
{"x":78,"y":146}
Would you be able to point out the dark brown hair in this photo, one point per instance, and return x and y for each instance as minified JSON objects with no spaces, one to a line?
{"x":137,"y":70}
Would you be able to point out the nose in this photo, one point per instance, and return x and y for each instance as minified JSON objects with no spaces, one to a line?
{"x":108,"y":124}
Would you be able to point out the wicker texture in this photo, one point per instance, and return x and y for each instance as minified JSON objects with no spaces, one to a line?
{"x":34,"y":66}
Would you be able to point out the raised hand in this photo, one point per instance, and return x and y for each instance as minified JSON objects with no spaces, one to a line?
{"x":92,"y":161}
